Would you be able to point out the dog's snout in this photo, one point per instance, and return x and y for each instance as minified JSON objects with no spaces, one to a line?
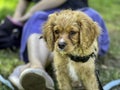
{"x":61,"y":45}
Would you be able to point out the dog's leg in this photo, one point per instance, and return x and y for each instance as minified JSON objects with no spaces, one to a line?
{"x":90,"y":82}
{"x":63,"y":81}
{"x":89,"y":78}
{"x":62,"y":77}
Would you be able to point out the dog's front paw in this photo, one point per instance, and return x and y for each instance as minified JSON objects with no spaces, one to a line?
{"x":65,"y":87}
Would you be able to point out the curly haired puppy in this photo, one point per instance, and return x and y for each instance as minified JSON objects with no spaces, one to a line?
{"x":72,"y":35}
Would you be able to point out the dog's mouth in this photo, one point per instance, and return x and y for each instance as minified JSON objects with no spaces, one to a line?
{"x":64,"y":46}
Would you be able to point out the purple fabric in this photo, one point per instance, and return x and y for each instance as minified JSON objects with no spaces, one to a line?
{"x":34,"y":25}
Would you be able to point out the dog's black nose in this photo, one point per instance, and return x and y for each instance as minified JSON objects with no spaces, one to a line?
{"x":61,"y":45}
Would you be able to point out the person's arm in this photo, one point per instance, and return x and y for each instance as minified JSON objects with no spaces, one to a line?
{"x":20,"y":9}
{"x":46,"y":4}
{"x":43,"y":5}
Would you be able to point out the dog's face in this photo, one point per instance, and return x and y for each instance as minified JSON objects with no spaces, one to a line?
{"x":67,"y":30}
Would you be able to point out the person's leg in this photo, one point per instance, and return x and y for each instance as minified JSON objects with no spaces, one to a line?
{"x":38,"y":52}
{"x":28,"y":76}
{"x":39,"y":56}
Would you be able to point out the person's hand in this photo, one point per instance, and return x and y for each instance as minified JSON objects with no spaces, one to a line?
{"x":25,"y":17}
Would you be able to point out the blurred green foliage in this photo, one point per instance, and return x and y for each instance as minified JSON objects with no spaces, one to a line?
{"x":7,"y":7}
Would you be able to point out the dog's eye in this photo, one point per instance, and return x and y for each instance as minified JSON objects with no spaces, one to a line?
{"x":72,"y":32}
{"x":56,"y":31}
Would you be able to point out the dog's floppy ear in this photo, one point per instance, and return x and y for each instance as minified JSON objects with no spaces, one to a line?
{"x":89,"y":30}
{"x":48,"y":33}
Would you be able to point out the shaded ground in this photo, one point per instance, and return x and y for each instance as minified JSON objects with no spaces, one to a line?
{"x":109,"y":65}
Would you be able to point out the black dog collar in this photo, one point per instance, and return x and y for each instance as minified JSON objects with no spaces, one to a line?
{"x":81,"y":58}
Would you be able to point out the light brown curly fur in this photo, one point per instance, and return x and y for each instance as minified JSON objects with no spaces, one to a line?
{"x":80,"y":34}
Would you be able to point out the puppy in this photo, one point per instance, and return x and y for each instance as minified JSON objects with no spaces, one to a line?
{"x":72,"y":36}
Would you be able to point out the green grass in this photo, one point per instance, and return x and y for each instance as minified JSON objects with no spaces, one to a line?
{"x":109,"y":65}
{"x":109,"y":9}
{"x":7,"y":7}
{"x":8,"y":60}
